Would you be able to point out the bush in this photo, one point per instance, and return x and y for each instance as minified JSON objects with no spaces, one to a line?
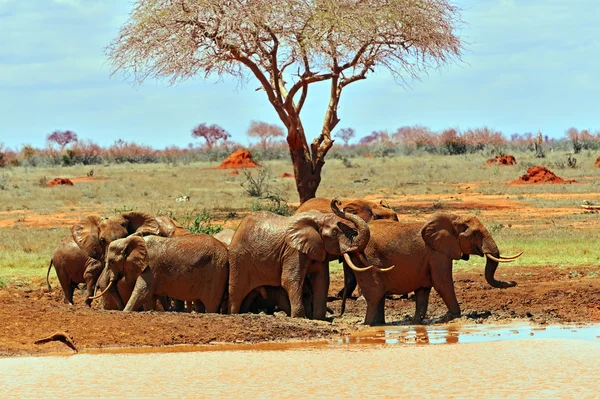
{"x":201,"y":224}
{"x":272,"y":203}
{"x":256,"y":186}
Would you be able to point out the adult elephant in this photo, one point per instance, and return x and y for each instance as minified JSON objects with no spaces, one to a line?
{"x":188,"y":268}
{"x":367,"y":210}
{"x":423,"y":255}
{"x":78,"y":258}
{"x":272,"y":250}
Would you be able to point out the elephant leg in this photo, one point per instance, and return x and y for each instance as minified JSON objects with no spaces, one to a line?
{"x":150,"y":304}
{"x":92,"y":272}
{"x":375,"y":311}
{"x":282,"y":300}
{"x":165,"y":302}
{"x":199,"y":307}
{"x":319,"y":281}
{"x":248,"y":303}
{"x":349,"y":282}
{"x":294,"y":291}
{"x":441,"y":276}
{"x":113,"y":291}
{"x":422,"y":301}
{"x":142,"y":291}
{"x":179,"y":305}
{"x":66,"y":285}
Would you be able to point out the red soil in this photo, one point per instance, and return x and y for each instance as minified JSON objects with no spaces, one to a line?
{"x":59,"y":181}
{"x":545,"y":294}
{"x":503,"y":160}
{"x":368,"y":155}
{"x":234,"y":173}
{"x":286,"y":175}
{"x":540,"y":175}
{"x":597,"y":163}
{"x":239,"y":159}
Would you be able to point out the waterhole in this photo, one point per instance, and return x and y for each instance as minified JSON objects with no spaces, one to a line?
{"x":500,"y":361}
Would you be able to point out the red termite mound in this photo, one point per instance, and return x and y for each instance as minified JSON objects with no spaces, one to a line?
{"x":504,"y":160}
{"x":540,"y":175}
{"x":59,"y":181}
{"x":597,"y":163}
{"x":239,"y":159}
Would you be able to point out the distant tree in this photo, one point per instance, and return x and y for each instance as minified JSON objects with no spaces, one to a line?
{"x":265,"y":132}
{"x":345,"y":134}
{"x":63,"y":138}
{"x":376,"y":137}
{"x":289,"y":45}
{"x":212,"y":134}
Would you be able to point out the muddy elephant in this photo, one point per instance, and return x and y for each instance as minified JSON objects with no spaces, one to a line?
{"x":170,"y":228}
{"x":368,"y":211}
{"x":278,"y":251}
{"x":188,"y":268}
{"x":423,"y":256}
{"x":78,"y":258}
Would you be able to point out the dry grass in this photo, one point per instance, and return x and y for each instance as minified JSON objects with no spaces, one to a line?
{"x":565,"y":238}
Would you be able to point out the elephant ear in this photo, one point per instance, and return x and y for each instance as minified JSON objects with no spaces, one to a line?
{"x":136,"y":255}
{"x":141,"y":223}
{"x":303,"y":234}
{"x":86,"y":234}
{"x":441,"y":234}
{"x":365,"y":213}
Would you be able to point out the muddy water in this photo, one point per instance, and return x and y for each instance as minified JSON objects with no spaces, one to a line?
{"x":514,"y":361}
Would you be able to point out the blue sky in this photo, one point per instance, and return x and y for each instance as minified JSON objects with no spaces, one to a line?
{"x":529,"y":65}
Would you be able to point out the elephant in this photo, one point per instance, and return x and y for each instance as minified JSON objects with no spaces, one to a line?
{"x":170,"y":228}
{"x":188,"y":268}
{"x":368,"y":211}
{"x":423,"y":255}
{"x":279,"y":251}
{"x":78,"y":258}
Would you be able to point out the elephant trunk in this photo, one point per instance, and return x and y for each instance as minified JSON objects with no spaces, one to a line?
{"x":359,"y":242}
{"x":489,"y":247}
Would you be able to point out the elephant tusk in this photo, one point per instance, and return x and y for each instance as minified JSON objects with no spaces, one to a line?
{"x":103,"y":292}
{"x":499,"y":260}
{"x":364,"y":260}
{"x":512,"y":257}
{"x":353,"y":266}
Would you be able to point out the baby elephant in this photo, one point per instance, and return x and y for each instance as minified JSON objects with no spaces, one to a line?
{"x":189,"y":268}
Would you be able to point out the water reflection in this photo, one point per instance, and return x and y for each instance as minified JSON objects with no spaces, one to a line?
{"x":435,"y":335}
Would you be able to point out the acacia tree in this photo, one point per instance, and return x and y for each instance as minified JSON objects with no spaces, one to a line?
{"x":62,"y":138}
{"x":212,"y":134}
{"x":345,"y":134}
{"x":288,"y":45}
{"x":265,"y":132}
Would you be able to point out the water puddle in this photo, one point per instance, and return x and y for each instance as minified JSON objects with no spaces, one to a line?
{"x":496,"y":361}
{"x":379,"y":336}
{"x":435,"y":335}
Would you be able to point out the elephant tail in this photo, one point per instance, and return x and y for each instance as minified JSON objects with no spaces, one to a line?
{"x":48,"y":274}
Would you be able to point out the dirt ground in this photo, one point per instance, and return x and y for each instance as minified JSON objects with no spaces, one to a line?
{"x":545,"y":295}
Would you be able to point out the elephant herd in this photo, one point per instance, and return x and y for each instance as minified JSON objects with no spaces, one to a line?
{"x":135,"y":259}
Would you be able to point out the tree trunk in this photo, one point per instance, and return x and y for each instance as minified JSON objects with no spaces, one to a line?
{"x":307,"y":179}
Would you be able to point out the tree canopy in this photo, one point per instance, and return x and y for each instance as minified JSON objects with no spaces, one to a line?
{"x":288,"y":45}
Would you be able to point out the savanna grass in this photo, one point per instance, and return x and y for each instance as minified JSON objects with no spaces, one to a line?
{"x":564,"y":238}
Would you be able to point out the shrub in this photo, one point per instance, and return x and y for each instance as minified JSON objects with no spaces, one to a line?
{"x":201,"y":224}
{"x":256,"y":186}
{"x":272,"y":203}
